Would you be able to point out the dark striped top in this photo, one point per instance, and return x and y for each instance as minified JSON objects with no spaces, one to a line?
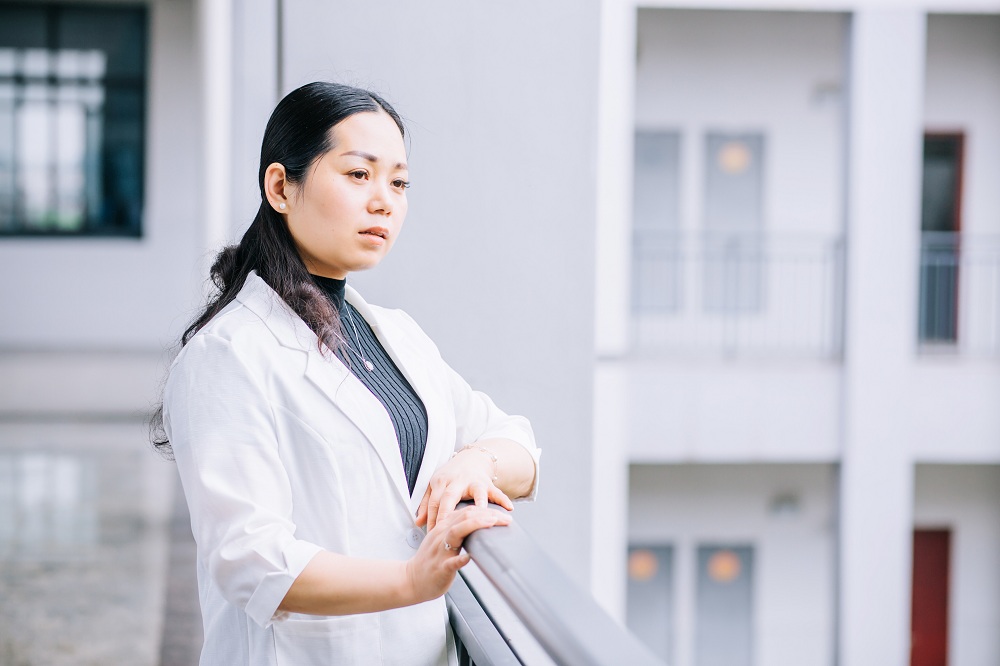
{"x":385,"y":381}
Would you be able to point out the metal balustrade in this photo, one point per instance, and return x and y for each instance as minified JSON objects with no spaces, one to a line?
{"x":959,"y":293}
{"x":513,"y":605}
{"x":737,"y":293}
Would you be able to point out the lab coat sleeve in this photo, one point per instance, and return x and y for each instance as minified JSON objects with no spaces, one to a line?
{"x":476,"y":416}
{"x":221,"y":428}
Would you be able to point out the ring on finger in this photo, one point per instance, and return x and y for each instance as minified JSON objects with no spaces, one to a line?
{"x":448,"y":546}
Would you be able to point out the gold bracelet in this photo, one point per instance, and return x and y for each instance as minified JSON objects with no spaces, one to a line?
{"x":492,"y":456}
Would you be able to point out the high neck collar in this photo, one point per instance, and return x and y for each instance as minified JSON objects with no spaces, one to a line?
{"x":333,"y":288}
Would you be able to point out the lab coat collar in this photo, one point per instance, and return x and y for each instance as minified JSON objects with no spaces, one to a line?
{"x":339,"y":385}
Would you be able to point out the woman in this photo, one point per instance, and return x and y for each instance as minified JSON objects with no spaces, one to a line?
{"x":315,"y":434}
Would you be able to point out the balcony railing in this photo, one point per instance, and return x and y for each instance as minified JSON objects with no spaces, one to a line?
{"x":959,"y":293}
{"x":514,"y":606}
{"x":737,"y":294}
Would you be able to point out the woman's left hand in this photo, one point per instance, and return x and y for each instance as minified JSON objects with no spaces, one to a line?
{"x":468,"y":475}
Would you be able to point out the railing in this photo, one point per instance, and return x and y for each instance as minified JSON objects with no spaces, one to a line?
{"x":737,"y":293}
{"x":959,"y":293}
{"x":514,"y":606}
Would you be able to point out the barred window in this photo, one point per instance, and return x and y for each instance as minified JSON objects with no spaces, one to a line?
{"x":72,"y":119}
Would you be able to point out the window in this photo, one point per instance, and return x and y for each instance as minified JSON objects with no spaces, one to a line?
{"x":724,"y":616}
{"x":650,"y":612}
{"x":656,"y":274}
{"x":72,"y":119}
{"x":733,"y":203}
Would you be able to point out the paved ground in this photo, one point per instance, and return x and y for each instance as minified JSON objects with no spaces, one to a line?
{"x":96,"y":557}
{"x":182,"y":632}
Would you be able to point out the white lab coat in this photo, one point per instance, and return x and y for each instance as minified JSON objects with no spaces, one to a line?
{"x":283,"y":452}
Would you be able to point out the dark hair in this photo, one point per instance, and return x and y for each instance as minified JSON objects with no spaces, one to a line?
{"x":298,"y":133}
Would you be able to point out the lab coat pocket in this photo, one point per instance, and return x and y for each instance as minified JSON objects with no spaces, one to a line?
{"x":349,"y":639}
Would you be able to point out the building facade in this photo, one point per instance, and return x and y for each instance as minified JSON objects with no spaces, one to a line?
{"x":798,"y":335}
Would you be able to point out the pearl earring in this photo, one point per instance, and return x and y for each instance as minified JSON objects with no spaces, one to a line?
{"x":281,"y":206}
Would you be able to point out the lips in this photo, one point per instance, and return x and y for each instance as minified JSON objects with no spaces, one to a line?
{"x":379,"y":232}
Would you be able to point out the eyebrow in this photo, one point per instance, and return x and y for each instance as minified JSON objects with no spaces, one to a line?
{"x":368,"y":157}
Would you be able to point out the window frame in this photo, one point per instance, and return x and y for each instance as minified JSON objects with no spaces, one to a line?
{"x":117,"y":202}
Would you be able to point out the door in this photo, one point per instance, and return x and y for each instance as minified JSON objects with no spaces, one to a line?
{"x":929,"y":617}
{"x":940,"y":223}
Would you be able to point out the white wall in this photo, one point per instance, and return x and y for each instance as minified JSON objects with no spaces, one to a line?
{"x":497,"y":258}
{"x":966,"y":499}
{"x":86,"y":321}
{"x":779,"y":73}
{"x":686,"y":505}
{"x":952,"y":413}
{"x":710,"y":412}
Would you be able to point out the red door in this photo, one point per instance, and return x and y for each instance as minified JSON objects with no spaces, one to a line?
{"x":929,"y":623}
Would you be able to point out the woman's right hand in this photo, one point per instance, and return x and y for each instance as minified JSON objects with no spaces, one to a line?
{"x":432,"y":570}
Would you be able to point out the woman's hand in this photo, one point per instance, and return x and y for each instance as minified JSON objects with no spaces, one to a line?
{"x":335,"y":584}
{"x":432,"y":570}
{"x":468,"y":475}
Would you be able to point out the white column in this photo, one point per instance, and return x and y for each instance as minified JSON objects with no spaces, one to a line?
{"x":254,"y":95}
{"x":215,"y":41}
{"x":883,"y":222}
{"x":615,"y":136}
{"x":615,"y":132}
{"x":610,"y":473}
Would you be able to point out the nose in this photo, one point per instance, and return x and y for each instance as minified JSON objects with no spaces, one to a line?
{"x":380,"y":201}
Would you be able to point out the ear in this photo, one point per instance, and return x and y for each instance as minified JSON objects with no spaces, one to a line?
{"x":276,"y":188}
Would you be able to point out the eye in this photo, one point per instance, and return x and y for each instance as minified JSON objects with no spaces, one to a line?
{"x":400,"y":184}
{"x":358,"y":174}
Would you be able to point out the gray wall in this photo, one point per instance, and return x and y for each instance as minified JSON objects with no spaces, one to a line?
{"x":496,"y":261}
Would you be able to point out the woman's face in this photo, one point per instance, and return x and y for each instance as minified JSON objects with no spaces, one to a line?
{"x":345,"y":215}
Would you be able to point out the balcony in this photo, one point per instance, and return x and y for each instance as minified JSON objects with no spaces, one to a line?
{"x":959,"y":294}
{"x":737,"y":294}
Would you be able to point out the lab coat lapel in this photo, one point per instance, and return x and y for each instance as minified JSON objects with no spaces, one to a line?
{"x":354,"y":399}
{"x":410,"y":362}
{"x":328,"y":374}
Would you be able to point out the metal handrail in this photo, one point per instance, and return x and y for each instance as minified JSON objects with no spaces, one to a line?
{"x":564,"y":619}
{"x":737,"y":292}
{"x":479,"y":640}
{"x":959,"y":307}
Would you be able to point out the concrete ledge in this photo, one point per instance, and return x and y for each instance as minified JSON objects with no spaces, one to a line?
{"x":80,"y":384}
{"x":664,"y":411}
